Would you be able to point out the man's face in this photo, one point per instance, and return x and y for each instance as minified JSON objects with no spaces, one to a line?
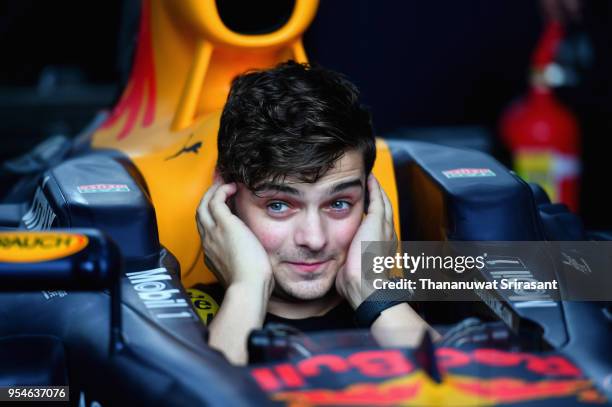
{"x":307,"y":228}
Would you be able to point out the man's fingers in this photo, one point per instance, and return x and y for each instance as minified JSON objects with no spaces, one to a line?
{"x":203,"y":214}
{"x":380,"y":203}
{"x":200,"y":227}
{"x":376,"y":204}
{"x":218,"y":205}
{"x":388,"y":209}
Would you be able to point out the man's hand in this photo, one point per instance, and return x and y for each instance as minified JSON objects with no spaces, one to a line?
{"x":376,"y":226}
{"x":241,"y":263}
{"x":399,"y":325}
{"x":231,"y":249}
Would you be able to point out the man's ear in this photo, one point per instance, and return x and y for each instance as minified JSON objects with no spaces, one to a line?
{"x":217,"y":176}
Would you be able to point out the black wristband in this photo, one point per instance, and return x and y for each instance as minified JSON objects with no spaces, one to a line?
{"x":369,"y":310}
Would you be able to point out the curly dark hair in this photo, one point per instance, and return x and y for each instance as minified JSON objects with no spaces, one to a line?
{"x":295,"y":120}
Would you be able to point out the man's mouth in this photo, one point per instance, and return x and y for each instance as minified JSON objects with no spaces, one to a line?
{"x":307,"y":267}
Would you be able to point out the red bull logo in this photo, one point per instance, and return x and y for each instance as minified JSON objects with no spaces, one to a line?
{"x":307,"y":382}
{"x":419,"y":390}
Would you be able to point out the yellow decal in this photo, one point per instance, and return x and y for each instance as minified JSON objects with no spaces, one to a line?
{"x":31,"y":247}
{"x":205,"y":305}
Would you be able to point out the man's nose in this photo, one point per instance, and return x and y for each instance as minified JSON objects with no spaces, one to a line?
{"x":311,"y":232}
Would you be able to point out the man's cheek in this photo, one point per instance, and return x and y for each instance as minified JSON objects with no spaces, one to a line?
{"x":271,"y":238}
{"x":345,"y":231}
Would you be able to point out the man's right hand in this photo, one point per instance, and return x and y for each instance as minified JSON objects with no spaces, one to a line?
{"x":240,"y":262}
{"x":230,"y":247}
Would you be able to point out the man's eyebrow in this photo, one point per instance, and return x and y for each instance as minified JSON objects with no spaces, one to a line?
{"x":345,"y":185}
{"x":269,"y":186}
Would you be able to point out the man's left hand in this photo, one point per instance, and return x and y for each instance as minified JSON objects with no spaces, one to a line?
{"x":376,"y":226}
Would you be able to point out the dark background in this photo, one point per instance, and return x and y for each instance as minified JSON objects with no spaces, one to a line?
{"x":421,"y":66}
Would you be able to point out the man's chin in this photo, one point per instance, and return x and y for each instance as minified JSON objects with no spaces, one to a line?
{"x":303,"y":290}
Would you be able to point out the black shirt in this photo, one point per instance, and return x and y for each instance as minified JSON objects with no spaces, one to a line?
{"x":339,"y":317}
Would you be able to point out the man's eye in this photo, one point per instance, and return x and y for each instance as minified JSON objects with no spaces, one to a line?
{"x":278,"y":207}
{"x":340,"y":205}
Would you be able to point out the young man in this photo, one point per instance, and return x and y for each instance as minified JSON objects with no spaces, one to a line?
{"x":293,"y":199}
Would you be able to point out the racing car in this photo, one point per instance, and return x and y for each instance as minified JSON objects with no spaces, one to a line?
{"x":98,"y":247}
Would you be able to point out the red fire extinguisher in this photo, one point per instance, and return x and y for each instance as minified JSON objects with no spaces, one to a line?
{"x":542,"y":134}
